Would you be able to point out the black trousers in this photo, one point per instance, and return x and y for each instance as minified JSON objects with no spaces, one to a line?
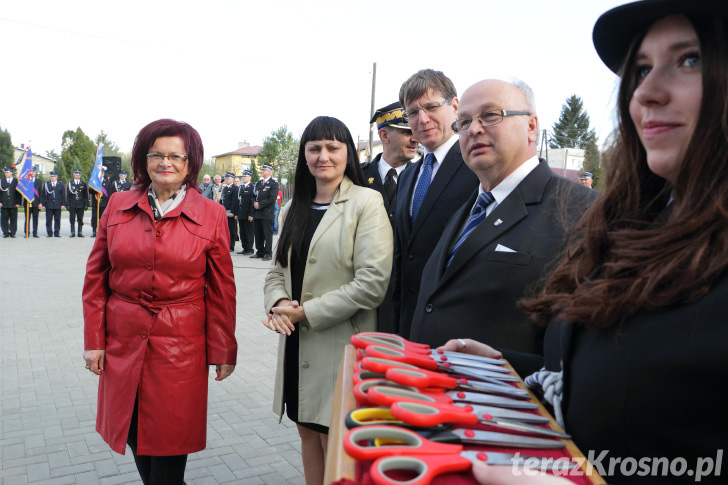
{"x":247,"y":238}
{"x":9,"y":220}
{"x":263,"y":236}
{"x":233,"y":229}
{"x":76,"y":214}
{"x":93,"y":214}
{"x":31,"y":212}
{"x":53,"y":216}
{"x":155,"y":470}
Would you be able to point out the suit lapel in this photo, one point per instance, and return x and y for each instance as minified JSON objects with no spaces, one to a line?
{"x":405,"y":188}
{"x":448,"y":167}
{"x":375,"y":181}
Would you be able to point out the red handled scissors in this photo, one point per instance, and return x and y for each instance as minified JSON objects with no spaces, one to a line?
{"x":395,"y":448}
{"x":432,"y":414}
{"x":428,"y":361}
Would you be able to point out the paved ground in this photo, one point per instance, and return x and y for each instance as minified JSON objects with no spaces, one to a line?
{"x":48,"y":399}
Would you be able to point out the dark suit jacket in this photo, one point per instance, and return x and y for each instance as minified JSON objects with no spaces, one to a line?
{"x":451,"y":187}
{"x":243,"y":203}
{"x":9,"y":195}
{"x":53,"y":198}
{"x":477,"y":295}
{"x":649,"y":387}
{"x":266,"y":194}
{"x":77,"y":198}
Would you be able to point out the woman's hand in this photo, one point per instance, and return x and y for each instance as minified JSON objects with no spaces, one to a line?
{"x":94,"y":360}
{"x":284,"y":315}
{"x":470,"y":346}
{"x":223,"y":371}
{"x":507,"y":475}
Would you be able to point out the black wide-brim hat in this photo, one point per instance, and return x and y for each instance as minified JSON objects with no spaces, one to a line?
{"x":615,"y":29}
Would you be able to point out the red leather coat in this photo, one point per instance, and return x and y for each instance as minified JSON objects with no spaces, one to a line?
{"x":159,"y":297}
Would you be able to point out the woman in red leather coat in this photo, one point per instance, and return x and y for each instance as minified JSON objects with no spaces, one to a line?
{"x":159,"y":305}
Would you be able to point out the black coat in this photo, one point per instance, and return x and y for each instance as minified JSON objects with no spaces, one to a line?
{"x":450,"y":188}
{"x":228,"y":196}
{"x":77,"y":195}
{"x":37,"y":187}
{"x":476,"y":296}
{"x":266,"y":194}
{"x":243,"y":203}
{"x":119,"y":186}
{"x":650,"y":387}
{"x":9,"y":195}
{"x":374,"y":181}
{"x":53,"y":197}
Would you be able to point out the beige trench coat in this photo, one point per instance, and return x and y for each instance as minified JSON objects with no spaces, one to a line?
{"x":347,"y":273}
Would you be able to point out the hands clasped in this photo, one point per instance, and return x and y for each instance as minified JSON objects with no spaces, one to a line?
{"x":284,"y":315}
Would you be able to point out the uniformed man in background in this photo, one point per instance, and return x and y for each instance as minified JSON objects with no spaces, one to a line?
{"x":266,"y":192}
{"x":227,"y":199}
{"x":53,"y":200}
{"x":100,"y":200}
{"x":77,"y":200}
{"x":33,"y":209}
{"x":122,"y":185}
{"x":399,"y":147}
{"x":10,"y":200}
{"x":244,"y":212}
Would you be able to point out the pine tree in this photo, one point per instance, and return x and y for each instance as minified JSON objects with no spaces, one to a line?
{"x":7,"y":152}
{"x":572,"y":129}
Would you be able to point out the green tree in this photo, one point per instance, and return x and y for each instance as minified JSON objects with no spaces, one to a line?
{"x":7,"y":152}
{"x":78,"y":152}
{"x":287,"y":160}
{"x":572,"y":130}
{"x":278,"y":141}
{"x":593,"y":164}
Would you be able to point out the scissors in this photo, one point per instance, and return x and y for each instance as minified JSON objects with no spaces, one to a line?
{"x":363,"y":339}
{"x":431,"y":414}
{"x":443,"y":433}
{"x":399,"y":449}
{"x":428,"y":361}
{"x":381,"y":395}
{"x":361,"y":390}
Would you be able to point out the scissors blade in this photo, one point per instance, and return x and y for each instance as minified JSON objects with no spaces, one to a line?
{"x":491,"y":400}
{"x":492,"y":438}
{"x":510,"y":414}
{"x":474,"y":365}
{"x":502,"y":389}
{"x":539,"y":462}
{"x":449,"y":355}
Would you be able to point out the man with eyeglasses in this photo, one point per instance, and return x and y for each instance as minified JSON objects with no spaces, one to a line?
{"x":506,"y":237}
{"x":429,"y":192}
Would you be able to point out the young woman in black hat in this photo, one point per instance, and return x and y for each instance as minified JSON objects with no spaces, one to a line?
{"x":635,"y":352}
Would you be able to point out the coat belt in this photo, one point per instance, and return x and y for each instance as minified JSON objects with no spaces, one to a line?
{"x":155,"y":306}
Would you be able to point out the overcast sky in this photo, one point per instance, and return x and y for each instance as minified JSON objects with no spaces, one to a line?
{"x":235,"y":69}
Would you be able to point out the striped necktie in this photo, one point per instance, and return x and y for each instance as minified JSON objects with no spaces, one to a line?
{"x":477,"y":215}
{"x":422,"y":185}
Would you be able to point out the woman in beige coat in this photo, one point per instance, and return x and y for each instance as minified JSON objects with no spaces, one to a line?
{"x":331,"y":271}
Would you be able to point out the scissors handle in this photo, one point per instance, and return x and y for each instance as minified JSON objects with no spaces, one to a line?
{"x":427,"y":467}
{"x":419,"y":360}
{"x":372,"y":442}
{"x":424,"y":415}
{"x":375,"y":364}
{"x":362,"y":339}
{"x":379,"y":395}
{"x":364,"y":398}
{"x":420,"y":378}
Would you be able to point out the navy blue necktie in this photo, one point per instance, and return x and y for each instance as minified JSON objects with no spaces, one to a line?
{"x":422,"y":185}
{"x":477,"y":215}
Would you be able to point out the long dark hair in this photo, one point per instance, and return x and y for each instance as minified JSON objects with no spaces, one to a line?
{"x":621,"y":259}
{"x":296,"y":220}
{"x":159,"y":129}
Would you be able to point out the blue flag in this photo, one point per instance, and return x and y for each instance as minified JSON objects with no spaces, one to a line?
{"x":97,"y":176}
{"x":25,"y":179}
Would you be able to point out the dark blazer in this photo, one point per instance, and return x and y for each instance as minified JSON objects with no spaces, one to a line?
{"x":37,"y":187}
{"x":477,"y":295}
{"x":266,"y":194}
{"x":452,"y":186}
{"x":374,"y":181}
{"x":228,"y":196}
{"x":243,"y":203}
{"x":53,"y":198}
{"x":649,"y":387}
{"x":9,"y":195}
{"x":77,"y":198}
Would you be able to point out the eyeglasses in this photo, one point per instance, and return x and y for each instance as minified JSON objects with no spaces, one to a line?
{"x":429,"y":109}
{"x":486,"y":118}
{"x":174,"y":158}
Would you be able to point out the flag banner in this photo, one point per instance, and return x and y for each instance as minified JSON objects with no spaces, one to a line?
{"x":25,"y":179}
{"x":97,"y":176}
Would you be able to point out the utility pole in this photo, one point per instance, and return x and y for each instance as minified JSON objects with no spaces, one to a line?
{"x":371,"y":114}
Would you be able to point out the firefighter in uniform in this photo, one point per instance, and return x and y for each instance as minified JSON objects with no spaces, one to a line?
{"x":244,"y":212}
{"x":122,"y":185}
{"x":227,"y":199}
{"x":33,"y":209}
{"x":77,"y":201}
{"x":52,"y":199}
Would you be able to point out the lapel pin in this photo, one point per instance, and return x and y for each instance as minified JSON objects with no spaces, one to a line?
{"x":498,"y":222}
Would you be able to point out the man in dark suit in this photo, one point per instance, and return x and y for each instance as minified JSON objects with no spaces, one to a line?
{"x":227,"y":199}
{"x":266,"y":192}
{"x":429,"y":192}
{"x":121,"y":185}
{"x":399,"y":148}
{"x":53,"y":200}
{"x":77,"y":200}
{"x":243,"y":209}
{"x":507,"y":236}
{"x":10,"y":200}
{"x":32,"y":209}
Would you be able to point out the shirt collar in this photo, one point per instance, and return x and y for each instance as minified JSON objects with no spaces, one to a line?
{"x":384,"y":167}
{"x":504,"y":189}
{"x":441,"y":151}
